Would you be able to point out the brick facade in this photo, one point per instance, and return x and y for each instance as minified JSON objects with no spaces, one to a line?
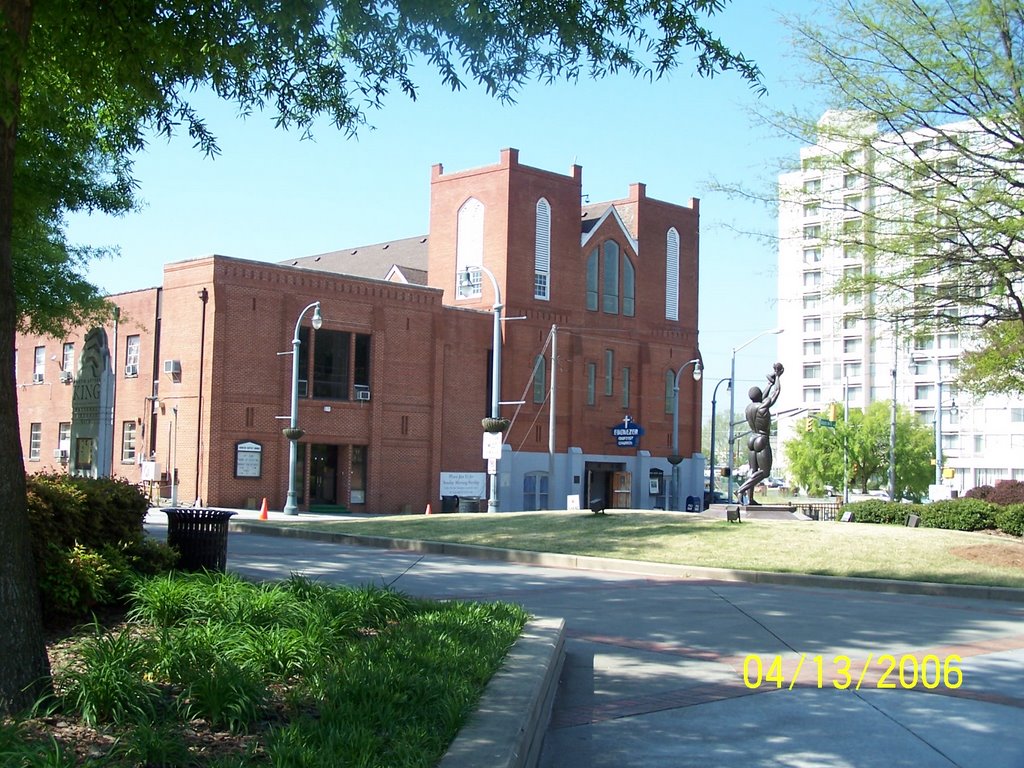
{"x":225,"y":322}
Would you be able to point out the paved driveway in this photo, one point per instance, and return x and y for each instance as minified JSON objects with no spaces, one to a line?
{"x":654,"y":672}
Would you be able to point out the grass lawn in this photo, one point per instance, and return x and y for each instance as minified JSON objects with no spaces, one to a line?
{"x":211,"y":670}
{"x":834,"y":549}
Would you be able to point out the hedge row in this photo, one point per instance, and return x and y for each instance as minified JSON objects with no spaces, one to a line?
{"x":1005,"y":492}
{"x":965,"y":514}
{"x":88,"y":542}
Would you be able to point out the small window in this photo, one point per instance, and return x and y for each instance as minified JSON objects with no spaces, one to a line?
{"x":539,"y":376}
{"x":812,"y":394}
{"x":535,"y":491}
{"x":812,"y":186}
{"x":591,"y":383}
{"x":592,"y":280}
{"x":626,"y":373}
{"x":131,"y":356}
{"x":812,"y":371}
{"x":812,"y":255}
{"x":812,"y":347}
{"x":128,"y":442}
{"x":670,"y":390}
{"x":68,"y":360}
{"x":35,"y":440}
{"x":853,"y":346}
{"x":39,"y":365}
{"x":812,"y":301}
{"x":812,"y":279}
{"x":812,"y":210}
{"x":812,"y":232}
{"x":609,"y":372}
{"x":812,"y":325}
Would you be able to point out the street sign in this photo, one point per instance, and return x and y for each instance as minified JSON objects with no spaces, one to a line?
{"x":492,"y":445}
{"x":828,"y":423}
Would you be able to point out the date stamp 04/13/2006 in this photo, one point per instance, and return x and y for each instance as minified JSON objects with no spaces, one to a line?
{"x":841,"y":672}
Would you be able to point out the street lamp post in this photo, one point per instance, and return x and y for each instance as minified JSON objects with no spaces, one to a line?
{"x":293,"y":433}
{"x":675,"y":458}
{"x":711,"y":471}
{"x":492,"y":499}
{"x":732,"y":396}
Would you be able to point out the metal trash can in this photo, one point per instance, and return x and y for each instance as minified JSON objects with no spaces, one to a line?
{"x":449,"y":503}
{"x":468,"y":505}
{"x":200,"y":536}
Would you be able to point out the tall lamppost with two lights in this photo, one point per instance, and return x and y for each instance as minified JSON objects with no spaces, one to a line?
{"x":675,"y":458}
{"x":466,"y":284}
{"x":293,"y":433}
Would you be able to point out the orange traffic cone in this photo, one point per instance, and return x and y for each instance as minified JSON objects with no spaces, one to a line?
{"x":428,"y":512}
{"x":263,"y":509}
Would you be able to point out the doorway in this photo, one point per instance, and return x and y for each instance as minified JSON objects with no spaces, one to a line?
{"x":323,"y":474}
{"x":608,"y":484}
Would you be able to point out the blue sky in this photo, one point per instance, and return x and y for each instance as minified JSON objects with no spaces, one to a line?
{"x":271,"y":196}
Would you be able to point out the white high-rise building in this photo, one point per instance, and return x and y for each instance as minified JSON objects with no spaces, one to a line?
{"x":834,"y":354}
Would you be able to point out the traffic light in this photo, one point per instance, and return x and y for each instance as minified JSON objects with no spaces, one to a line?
{"x":832,"y":409}
{"x":809,"y":424}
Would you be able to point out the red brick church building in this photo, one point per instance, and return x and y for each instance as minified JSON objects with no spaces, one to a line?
{"x":190,"y":376}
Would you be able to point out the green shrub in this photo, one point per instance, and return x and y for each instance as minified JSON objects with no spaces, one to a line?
{"x":72,"y":581}
{"x":878,"y":511}
{"x":1010,"y":519}
{"x":958,"y":514}
{"x":88,"y":542}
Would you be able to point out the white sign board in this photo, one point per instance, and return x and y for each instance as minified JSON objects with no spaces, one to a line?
{"x":572,"y":502}
{"x":469,"y":485}
{"x":492,"y":445}
{"x":248,"y":460}
{"x":150,"y":471}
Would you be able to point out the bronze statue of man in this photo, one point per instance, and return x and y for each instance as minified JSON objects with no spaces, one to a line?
{"x":759,"y":418}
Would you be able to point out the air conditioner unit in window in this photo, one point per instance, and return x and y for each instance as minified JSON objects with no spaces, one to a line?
{"x":131,"y":370}
{"x":172,"y":367}
{"x":362,"y":393}
{"x":37,"y":378}
{"x":66,"y":377}
{"x":60,"y":454}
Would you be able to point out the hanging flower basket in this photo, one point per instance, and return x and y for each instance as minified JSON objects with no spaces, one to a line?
{"x":293,"y":434}
{"x":495,"y":425}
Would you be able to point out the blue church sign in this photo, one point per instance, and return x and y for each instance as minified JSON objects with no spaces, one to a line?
{"x":627,"y":433}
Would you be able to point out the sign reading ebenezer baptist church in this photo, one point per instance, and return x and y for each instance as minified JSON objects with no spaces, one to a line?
{"x":627,"y":433}
{"x":92,"y":410}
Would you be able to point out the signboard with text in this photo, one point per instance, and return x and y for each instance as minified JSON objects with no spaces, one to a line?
{"x":627,"y":433}
{"x":248,"y":460}
{"x":469,"y":485}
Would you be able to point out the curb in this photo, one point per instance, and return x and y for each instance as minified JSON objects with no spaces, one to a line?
{"x":642,"y":568}
{"x":507,"y":728}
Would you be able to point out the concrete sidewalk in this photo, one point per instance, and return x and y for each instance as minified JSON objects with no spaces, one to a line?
{"x":662,"y":670}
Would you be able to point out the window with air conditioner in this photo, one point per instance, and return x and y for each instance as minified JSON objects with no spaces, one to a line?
{"x":131,"y":355}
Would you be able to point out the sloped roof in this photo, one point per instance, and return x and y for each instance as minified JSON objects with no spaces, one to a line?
{"x":592,"y":214}
{"x":373,"y":261}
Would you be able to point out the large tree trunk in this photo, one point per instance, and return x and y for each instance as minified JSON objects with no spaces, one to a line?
{"x":24,"y":667}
